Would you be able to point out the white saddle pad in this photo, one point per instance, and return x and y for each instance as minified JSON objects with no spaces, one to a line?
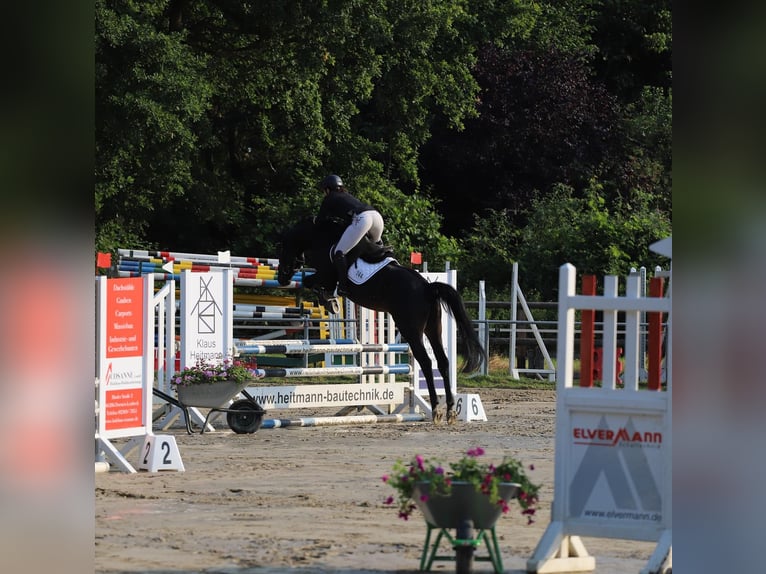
{"x":360,"y":271}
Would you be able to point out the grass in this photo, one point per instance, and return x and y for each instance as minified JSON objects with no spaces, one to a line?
{"x":500,"y":378}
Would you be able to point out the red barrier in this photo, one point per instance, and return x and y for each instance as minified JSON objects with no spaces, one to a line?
{"x":654,"y":343}
{"x":587,"y":334}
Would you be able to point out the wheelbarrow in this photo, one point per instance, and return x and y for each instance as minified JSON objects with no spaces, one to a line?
{"x":244,"y":416}
{"x":471,"y":515}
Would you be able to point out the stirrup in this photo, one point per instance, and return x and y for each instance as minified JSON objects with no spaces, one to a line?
{"x":333,"y":306}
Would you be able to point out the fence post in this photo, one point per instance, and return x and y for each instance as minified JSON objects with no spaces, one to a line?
{"x":483,"y":327}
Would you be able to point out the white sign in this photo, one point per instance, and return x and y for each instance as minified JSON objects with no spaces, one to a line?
{"x":207,"y":329}
{"x":468,"y":408}
{"x":160,"y":452}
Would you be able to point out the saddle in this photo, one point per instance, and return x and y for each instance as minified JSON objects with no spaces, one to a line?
{"x":366,"y":250}
{"x":369,"y":251}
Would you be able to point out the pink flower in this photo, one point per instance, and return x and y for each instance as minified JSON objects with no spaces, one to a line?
{"x":531,"y":467}
{"x":424,"y":497}
{"x":384,"y":478}
{"x":419,"y":459}
{"x":478,"y":451}
{"x":389,"y":500}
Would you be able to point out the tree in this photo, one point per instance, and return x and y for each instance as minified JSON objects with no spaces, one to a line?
{"x":585,"y":232}
{"x":542,"y":121}
{"x":151,"y":93}
{"x":488,"y":253}
{"x":291,"y":91}
{"x":461,"y":121}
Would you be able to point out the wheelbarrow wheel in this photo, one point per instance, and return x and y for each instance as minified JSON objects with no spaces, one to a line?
{"x":248,"y":417}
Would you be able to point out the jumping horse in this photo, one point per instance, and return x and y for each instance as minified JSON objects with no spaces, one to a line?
{"x":413,"y":302}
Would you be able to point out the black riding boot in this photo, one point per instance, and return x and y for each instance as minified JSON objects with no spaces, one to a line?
{"x":341,"y":266}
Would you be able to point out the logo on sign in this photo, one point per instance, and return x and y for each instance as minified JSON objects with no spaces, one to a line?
{"x":207,"y":308}
{"x":124,"y":377}
{"x":620,"y":457}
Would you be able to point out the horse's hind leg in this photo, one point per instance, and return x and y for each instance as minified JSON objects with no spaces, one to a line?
{"x":433,"y":331}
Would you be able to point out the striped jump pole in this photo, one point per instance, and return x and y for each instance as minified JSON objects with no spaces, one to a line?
{"x":195,"y":257}
{"x":238,"y":281}
{"x":328,"y":371}
{"x":245,"y":342}
{"x":342,"y":420}
{"x":307,"y":347}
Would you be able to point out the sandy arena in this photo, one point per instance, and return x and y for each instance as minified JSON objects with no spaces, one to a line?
{"x":311,"y":499}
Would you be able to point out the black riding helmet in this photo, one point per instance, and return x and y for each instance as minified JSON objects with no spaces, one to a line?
{"x":331,"y":182}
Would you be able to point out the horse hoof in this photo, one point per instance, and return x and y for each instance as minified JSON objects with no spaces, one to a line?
{"x":451,"y":417}
{"x":436,"y":417}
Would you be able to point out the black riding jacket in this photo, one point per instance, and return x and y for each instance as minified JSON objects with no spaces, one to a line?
{"x":341,"y":205}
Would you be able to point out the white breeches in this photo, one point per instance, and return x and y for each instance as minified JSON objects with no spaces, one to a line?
{"x":368,"y":223}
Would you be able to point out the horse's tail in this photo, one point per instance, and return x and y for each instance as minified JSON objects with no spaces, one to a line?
{"x":473,"y":351}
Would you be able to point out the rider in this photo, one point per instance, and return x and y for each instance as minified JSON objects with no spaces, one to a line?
{"x":360,"y":219}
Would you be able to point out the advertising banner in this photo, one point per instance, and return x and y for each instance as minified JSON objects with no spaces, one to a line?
{"x":617,"y":469}
{"x":120,"y":360}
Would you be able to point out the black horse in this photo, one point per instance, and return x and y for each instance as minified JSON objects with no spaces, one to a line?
{"x":413,"y":302}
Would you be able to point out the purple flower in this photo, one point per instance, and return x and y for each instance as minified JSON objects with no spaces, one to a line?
{"x":389,"y":500}
{"x":478,"y":451}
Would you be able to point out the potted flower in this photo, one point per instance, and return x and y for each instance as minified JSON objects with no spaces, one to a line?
{"x":469,"y":486}
{"x":212,"y":385}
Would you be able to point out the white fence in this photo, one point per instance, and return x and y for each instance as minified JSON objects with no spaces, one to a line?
{"x":613,"y":445}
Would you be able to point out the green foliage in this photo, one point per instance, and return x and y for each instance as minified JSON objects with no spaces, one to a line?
{"x":151,"y":91}
{"x":462,"y":121}
{"x":634,"y":45}
{"x":583,"y":231}
{"x":488,"y":252}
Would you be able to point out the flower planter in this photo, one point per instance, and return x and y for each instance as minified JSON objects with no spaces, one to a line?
{"x":462,"y":510}
{"x":211,"y":396}
{"x":463,"y":503}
